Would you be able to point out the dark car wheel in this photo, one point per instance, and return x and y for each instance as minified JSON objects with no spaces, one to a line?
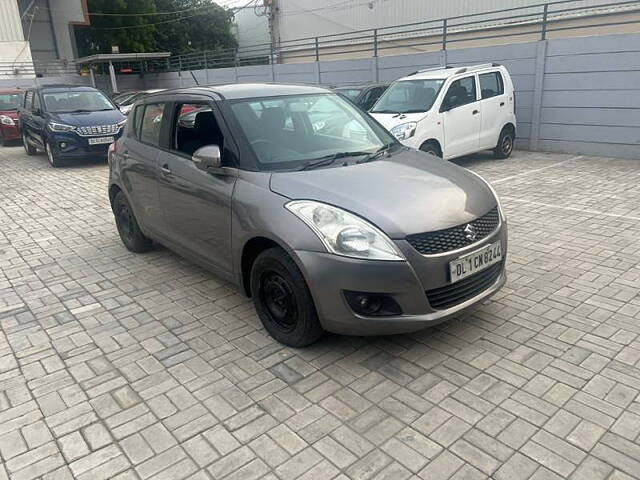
{"x":30,"y":149}
{"x":54,"y":159}
{"x":505,"y":143}
{"x":282,"y":299}
{"x":127,"y":225}
{"x":432,"y":148}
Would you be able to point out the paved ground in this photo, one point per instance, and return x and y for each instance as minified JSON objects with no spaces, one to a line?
{"x":115,"y":365}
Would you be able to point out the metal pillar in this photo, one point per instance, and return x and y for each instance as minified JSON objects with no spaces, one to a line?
{"x":93,"y":77}
{"x":112,"y":76}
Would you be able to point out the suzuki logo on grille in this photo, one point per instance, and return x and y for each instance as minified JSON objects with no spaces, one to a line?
{"x":470,"y":232}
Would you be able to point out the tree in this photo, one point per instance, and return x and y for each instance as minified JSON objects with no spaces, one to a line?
{"x":105,"y":31}
{"x":199,"y":25}
{"x":206,"y":26}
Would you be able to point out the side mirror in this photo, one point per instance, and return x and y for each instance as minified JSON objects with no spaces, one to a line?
{"x":208,"y":158}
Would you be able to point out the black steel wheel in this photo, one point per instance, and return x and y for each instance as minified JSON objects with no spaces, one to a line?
{"x":504,"y":148}
{"x":282,"y":299}
{"x":127,"y":225}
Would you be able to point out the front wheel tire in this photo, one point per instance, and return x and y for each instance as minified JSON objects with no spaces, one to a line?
{"x":283,"y":301}
{"x":128,"y":229}
{"x":27,"y":146}
{"x":504,"y":148}
{"x":431,"y":148}
{"x":54,"y":159}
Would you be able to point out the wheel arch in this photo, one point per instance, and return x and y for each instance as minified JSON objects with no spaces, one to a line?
{"x":511,"y":127}
{"x":250,"y":251}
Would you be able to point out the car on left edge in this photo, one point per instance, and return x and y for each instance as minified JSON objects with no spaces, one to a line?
{"x":69,"y":122}
{"x":9,"y":124}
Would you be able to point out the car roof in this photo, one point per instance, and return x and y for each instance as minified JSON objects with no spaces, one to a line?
{"x":10,"y":90}
{"x":64,"y":88}
{"x":249,"y":90}
{"x":368,"y":85}
{"x":449,"y":71}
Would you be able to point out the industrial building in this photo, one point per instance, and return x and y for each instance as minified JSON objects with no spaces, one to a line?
{"x":37,"y":31}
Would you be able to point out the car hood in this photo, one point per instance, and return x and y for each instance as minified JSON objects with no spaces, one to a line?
{"x":411,"y":192}
{"x":13,"y":114}
{"x":84,"y":119}
{"x":390,"y":120}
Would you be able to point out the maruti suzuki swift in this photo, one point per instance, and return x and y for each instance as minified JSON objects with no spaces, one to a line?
{"x":309,"y":206}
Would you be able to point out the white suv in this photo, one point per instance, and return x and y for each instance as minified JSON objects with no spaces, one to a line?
{"x":452,"y":111}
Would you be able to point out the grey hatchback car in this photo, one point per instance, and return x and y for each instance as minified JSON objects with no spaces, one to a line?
{"x":309,"y":206}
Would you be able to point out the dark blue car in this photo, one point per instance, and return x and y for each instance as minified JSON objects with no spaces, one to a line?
{"x":69,"y":122}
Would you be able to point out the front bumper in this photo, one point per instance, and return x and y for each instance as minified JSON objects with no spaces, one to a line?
{"x":69,"y":145}
{"x":10,"y":132}
{"x":329,"y":276}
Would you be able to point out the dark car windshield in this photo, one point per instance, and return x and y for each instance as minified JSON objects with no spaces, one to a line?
{"x":288,"y":132}
{"x":10,"y":101}
{"x":74,"y":101}
{"x":409,"y":96}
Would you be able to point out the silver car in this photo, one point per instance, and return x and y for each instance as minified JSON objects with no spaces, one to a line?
{"x":309,"y":206}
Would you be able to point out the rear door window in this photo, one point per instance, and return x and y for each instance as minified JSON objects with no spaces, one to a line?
{"x":491,"y":84}
{"x":151,"y":123}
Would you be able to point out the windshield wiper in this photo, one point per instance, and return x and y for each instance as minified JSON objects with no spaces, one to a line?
{"x":384,"y":111}
{"x":329,"y":159}
{"x":372,"y":156}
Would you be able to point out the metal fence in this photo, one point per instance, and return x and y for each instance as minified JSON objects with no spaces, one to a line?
{"x":538,"y":22}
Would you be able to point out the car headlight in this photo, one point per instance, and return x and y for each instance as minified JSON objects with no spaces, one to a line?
{"x":122,"y":123}
{"x":344,"y":233}
{"x":60,"y":127}
{"x":404,"y":131}
{"x":6,"y":120}
{"x":503,"y":217}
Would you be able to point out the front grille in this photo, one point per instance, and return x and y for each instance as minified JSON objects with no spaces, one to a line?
{"x":98,"y":130}
{"x":455,"y":293}
{"x":430,"y":243}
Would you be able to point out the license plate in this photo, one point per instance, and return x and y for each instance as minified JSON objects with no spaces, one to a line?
{"x":475,"y":262}
{"x":100,"y":140}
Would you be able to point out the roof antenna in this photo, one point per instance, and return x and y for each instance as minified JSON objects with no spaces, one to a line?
{"x":194,"y":78}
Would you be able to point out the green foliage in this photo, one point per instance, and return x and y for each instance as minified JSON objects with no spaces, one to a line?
{"x":205,"y":26}
{"x":100,"y":35}
{"x":210,"y":29}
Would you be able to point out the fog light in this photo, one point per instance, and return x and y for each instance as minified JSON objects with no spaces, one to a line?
{"x":372,"y":304}
{"x":63,"y":144}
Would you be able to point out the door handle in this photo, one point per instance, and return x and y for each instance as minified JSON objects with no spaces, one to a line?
{"x":502,"y":104}
{"x":165,"y":170}
{"x":475,"y":112}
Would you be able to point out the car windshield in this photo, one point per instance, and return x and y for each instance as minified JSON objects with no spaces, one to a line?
{"x":74,"y":101}
{"x":10,"y":101}
{"x":350,"y":93}
{"x":289,"y":132}
{"x":409,"y":96}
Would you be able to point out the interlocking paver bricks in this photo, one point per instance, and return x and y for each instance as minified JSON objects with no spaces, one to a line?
{"x":123,"y":366}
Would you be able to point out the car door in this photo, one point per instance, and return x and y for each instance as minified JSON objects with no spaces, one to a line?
{"x":38,"y":122}
{"x":495,"y":106}
{"x":461,"y":118}
{"x":197,"y":204}
{"x":139,"y":167}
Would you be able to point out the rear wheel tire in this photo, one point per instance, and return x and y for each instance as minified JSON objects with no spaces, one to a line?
{"x":27,"y":146}
{"x":128,"y":229}
{"x":504,"y":148}
{"x":54,"y":159}
{"x":432,"y":148}
{"x":282,"y":299}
